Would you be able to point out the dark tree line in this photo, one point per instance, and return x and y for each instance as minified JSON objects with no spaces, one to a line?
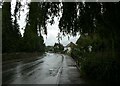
{"x":10,"y":31}
{"x":90,"y":18}
{"x":12,"y":40}
{"x":36,"y":20}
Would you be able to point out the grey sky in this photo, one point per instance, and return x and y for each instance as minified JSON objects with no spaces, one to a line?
{"x":52,"y":30}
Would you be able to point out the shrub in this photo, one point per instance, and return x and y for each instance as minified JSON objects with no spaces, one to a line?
{"x":101,"y":68}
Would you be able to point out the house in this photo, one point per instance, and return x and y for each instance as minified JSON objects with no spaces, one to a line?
{"x":69,"y":47}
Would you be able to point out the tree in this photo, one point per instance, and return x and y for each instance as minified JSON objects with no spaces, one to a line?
{"x":33,"y":41}
{"x":58,"y":47}
{"x":59,"y":38}
{"x":10,"y":32}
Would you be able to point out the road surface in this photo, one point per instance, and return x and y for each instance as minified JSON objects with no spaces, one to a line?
{"x":50,"y":68}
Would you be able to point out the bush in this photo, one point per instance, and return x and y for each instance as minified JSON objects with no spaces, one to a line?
{"x":101,"y":68}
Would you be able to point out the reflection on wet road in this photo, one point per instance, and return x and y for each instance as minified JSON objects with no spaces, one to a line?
{"x":50,"y":68}
{"x":39,"y":71}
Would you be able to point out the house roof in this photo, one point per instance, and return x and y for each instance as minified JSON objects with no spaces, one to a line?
{"x":71,"y":44}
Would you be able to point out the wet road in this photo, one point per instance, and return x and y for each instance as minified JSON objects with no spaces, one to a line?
{"x":50,"y":68}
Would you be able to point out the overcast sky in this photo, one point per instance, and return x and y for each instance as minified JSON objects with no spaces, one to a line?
{"x":52,"y":30}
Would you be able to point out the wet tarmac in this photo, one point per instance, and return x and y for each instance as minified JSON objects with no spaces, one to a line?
{"x":50,"y":68}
